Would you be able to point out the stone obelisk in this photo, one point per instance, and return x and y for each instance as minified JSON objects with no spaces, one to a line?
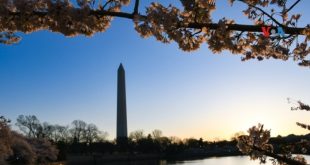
{"x":121,"y":104}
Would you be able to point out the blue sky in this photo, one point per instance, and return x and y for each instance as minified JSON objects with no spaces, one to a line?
{"x":195,"y":94}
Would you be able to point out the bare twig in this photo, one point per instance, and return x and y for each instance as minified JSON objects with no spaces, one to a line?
{"x":290,"y":8}
{"x":196,"y":33}
{"x":239,"y":35}
{"x":136,"y":9}
{"x":109,"y":1}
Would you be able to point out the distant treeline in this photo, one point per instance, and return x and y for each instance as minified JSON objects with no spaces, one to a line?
{"x":81,"y":138}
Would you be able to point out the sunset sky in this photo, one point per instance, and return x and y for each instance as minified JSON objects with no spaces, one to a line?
{"x":196,"y":94}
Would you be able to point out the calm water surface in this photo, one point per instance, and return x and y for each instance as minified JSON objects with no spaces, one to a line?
{"x":231,"y":160}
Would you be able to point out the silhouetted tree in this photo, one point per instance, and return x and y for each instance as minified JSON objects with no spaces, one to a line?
{"x":30,"y":125}
{"x":48,"y":131}
{"x":146,"y":145}
{"x":103,"y":136}
{"x":189,"y":24}
{"x":157,"y":134}
{"x":164,"y":143}
{"x":77,"y":130}
{"x":91,"y":133}
{"x":136,"y":135}
{"x":61,"y":133}
{"x":175,"y":140}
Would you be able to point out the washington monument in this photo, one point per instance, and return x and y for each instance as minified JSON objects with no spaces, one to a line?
{"x":121,"y":131}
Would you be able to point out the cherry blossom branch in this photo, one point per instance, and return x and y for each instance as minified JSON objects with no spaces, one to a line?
{"x":278,"y":157}
{"x":234,"y":27}
{"x":249,"y":28}
{"x":301,"y":106}
{"x":268,"y":15}
{"x":305,"y":126}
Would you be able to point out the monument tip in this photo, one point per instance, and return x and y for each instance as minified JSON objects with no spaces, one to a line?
{"x":121,"y":66}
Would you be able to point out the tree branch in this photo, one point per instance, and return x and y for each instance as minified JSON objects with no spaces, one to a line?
{"x":110,"y":13}
{"x":106,"y":4}
{"x":268,"y":15}
{"x":290,"y":8}
{"x":278,"y":157}
{"x":233,"y":27}
{"x":136,"y":9}
{"x":242,"y":27}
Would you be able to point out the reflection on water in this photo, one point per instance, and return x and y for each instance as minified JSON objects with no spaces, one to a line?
{"x":140,"y":162}
{"x":230,"y":160}
{"x":233,"y":160}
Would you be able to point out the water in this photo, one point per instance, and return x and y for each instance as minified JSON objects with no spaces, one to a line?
{"x":230,"y":160}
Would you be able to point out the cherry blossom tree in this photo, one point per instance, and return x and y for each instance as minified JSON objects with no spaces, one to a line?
{"x":17,"y":149}
{"x":256,"y":145}
{"x":272,"y":34}
{"x":5,"y":140}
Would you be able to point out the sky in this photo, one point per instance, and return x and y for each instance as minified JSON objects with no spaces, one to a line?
{"x":196,"y":94}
